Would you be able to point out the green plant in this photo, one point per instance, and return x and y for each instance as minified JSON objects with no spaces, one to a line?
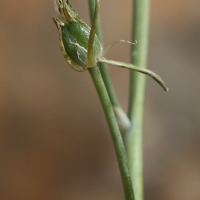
{"x":83,"y":50}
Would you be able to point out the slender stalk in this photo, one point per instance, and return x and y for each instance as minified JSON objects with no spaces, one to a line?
{"x":102,"y":66}
{"x":137,"y":93}
{"x":114,"y":130}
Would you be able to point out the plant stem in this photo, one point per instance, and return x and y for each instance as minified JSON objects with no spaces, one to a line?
{"x":137,"y":93}
{"x":114,"y":130}
{"x":102,"y":66}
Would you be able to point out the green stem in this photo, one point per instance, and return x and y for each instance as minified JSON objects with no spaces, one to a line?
{"x":91,"y":62}
{"x":102,"y":66}
{"x":114,"y":130}
{"x":137,"y":94}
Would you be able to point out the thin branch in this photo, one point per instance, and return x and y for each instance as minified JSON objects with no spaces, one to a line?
{"x":109,"y":114}
{"x":115,"y":132}
{"x":137,"y":93}
{"x":102,"y":66}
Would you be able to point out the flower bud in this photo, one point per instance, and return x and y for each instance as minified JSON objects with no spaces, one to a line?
{"x":74,"y":36}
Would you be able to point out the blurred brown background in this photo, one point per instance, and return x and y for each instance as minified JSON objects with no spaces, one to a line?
{"x":54,"y":141}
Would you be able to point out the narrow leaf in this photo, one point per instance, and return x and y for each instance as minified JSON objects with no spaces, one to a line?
{"x":133,"y":67}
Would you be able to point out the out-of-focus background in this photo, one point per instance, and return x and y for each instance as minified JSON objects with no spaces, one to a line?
{"x":54,"y":140}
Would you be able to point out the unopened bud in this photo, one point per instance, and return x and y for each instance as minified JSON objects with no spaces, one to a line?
{"x":74,"y":37}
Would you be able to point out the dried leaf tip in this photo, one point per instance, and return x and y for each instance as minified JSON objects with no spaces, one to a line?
{"x":57,"y":22}
{"x":61,"y":7}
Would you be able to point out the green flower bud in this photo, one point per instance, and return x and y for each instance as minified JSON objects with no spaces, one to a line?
{"x":74,"y":35}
